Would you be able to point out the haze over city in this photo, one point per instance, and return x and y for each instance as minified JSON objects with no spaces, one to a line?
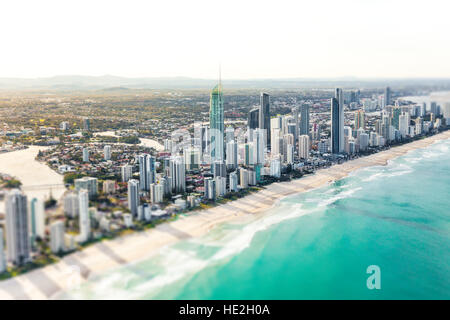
{"x":251,"y":39}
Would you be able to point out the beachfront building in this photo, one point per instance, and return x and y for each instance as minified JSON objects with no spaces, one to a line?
{"x":57,"y":237}
{"x":233,"y":182}
{"x":84,"y":219}
{"x":2,"y":253}
{"x":37,"y":220}
{"x":133,"y":196}
{"x":275,"y":167}
{"x":17,"y":239}
{"x":244,"y":178}
{"x":304,"y":146}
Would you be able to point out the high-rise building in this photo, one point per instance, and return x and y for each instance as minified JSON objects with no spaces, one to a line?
{"x":133,"y":196}
{"x":216,"y":123}
{"x":335,"y":127}
{"x":57,"y":237}
{"x":85,"y":155}
{"x":37,"y":219}
{"x":2,"y":253}
{"x":244,"y":178}
{"x":191,"y":158}
{"x":71,"y":205}
{"x":304,"y":146}
{"x":17,"y":239}
{"x":147,"y":171}
{"x":109,"y":186}
{"x":339,"y":95}
{"x":86,"y":124}
{"x":84,"y":218}
{"x":232,"y":155}
{"x":387,"y":96}
{"x":177,"y":172}
{"x":360,"y":119}
{"x":229,"y":134}
{"x":233,"y":182}
{"x":264,"y":115}
{"x":253,"y":118}
{"x":304,"y":126}
{"x":275,"y":167}
{"x":126,"y":172}
{"x":88,"y":183}
{"x":296,"y":124}
{"x":107,"y":153}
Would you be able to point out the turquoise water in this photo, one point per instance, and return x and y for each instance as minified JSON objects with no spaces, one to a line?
{"x":315,"y":245}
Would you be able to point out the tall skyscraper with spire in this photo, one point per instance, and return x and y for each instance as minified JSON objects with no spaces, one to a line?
{"x":216,"y":123}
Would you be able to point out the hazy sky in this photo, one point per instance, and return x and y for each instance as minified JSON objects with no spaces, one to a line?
{"x":251,"y":39}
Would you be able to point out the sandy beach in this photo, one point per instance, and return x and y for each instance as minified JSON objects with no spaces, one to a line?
{"x":45,"y":283}
{"x":38,"y":180}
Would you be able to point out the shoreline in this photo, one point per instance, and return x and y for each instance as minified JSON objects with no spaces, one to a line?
{"x":51,"y":280}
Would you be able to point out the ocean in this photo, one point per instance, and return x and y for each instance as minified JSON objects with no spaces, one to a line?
{"x":314,"y":245}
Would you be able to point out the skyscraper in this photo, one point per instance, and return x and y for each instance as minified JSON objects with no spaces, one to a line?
{"x":253,"y":119}
{"x":126,"y":172}
{"x":57,"y":236}
{"x":133,"y":196}
{"x":304,"y":126}
{"x":88,"y":183}
{"x":297,"y":129}
{"x":387,"y":96}
{"x":360,"y":119}
{"x":84,"y":219}
{"x":339,"y":95}
{"x":264,"y":115}
{"x":177,"y":172}
{"x":107,"y":153}
{"x":147,"y":171}
{"x":85,"y":155}
{"x":335,"y":128}
{"x":304,"y":146}
{"x":17,"y":240}
{"x":2,"y":253}
{"x":232,"y":159}
{"x":216,"y":123}
{"x":37,"y":219}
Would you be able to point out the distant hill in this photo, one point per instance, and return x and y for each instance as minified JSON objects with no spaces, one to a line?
{"x":114,"y":83}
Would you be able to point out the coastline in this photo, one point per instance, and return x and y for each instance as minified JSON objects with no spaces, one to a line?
{"x":38,"y":180}
{"x":47,"y":282}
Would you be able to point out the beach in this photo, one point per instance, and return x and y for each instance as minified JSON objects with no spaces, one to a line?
{"x":99,"y":258}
